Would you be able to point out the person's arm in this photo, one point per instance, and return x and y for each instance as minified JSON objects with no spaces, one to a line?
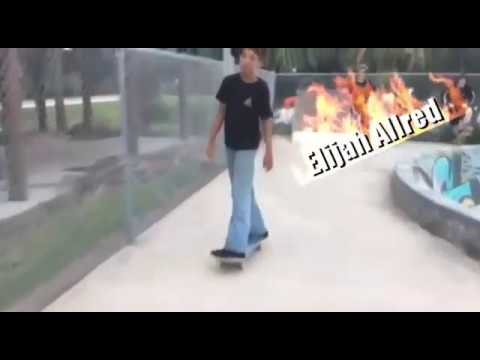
{"x":267,"y":136}
{"x":441,"y":80}
{"x":266,"y":115}
{"x":215,"y":130}
{"x":360,"y":56}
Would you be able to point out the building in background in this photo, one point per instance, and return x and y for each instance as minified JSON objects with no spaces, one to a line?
{"x":213,"y":53}
{"x":228,"y":55}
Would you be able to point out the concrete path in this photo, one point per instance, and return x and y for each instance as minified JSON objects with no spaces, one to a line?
{"x":337,"y":245}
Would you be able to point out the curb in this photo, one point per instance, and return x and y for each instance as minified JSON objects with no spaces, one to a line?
{"x":441,"y":219}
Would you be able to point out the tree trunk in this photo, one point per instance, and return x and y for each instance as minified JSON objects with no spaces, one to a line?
{"x":11,"y":92}
{"x":41,"y":109}
{"x":147,"y":112}
{"x":83,"y":61}
{"x":60,"y":113}
{"x":87,"y":105}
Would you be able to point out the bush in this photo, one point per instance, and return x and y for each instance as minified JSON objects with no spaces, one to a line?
{"x":165,"y":109}
{"x":201,"y":110}
{"x":79,"y":132}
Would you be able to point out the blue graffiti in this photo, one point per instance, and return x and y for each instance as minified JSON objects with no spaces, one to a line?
{"x":447,"y":180}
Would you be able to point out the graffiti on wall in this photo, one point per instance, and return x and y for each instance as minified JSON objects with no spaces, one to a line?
{"x":455,"y":177}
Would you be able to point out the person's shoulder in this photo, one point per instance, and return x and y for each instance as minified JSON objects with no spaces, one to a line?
{"x":232,"y":78}
{"x":261,"y":83}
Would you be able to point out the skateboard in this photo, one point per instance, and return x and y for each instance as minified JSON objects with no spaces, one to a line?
{"x":237,"y":262}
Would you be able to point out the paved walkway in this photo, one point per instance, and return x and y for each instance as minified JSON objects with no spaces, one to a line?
{"x":337,"y":245}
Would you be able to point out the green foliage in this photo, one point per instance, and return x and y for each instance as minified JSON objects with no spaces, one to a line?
{"x":201,"y":111}
{"x":378,"y":59}
{"x":68,"y":234}
{"x":106,"y":114}
{"x":165,"y":109}
{"x":286,"y":59}
{"x":95,"y":64}
{"x":472,"y":59}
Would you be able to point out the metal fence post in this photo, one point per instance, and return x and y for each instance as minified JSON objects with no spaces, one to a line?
{"x":228,"y":61}
{"x":128,"y":170}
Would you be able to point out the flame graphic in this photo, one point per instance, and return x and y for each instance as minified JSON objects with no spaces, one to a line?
{"x":353,"y":107}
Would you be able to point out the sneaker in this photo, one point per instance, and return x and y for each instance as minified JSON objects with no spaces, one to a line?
{"x":227,"y":254}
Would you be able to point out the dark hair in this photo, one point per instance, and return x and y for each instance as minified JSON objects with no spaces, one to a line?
{"x":260,"y":52}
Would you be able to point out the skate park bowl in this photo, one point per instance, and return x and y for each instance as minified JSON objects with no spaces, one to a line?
{"x":440,"y":191}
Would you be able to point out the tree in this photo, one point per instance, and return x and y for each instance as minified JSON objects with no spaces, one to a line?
{"x":143,"y":91}
{"x":58,"y":84}
{"x":11,"y":99}
{"x":303,"y":59}
{"x":37,"y":64}
{"x":287,"y":59}
{"x":377,"y":59}
{"x":84,"y":58}
{"x":471,"y":60}
{"x":95,"y":64}
{"x":443,"y":59}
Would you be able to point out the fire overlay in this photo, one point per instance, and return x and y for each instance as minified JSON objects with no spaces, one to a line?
{"x":387,"y":132}
{"x":356,"y":106}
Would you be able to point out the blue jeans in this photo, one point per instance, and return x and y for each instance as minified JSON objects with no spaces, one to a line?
{"x":246,"y":224}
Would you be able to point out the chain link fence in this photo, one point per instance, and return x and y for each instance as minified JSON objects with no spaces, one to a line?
{"x":127,"y":157}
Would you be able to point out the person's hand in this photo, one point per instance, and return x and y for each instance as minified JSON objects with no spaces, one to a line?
{"x":211,"y":151}
{"x":268,"y":160}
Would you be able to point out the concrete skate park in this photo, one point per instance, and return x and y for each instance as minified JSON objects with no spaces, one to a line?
{"x":393,"y":233}
{"x":127,"y":222}
{"x":338,"y":244}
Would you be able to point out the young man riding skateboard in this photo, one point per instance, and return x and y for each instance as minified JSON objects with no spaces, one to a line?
{"x":244,"y":110}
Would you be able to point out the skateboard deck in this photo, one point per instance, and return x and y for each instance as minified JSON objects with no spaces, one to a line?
{"x":237,"y":262}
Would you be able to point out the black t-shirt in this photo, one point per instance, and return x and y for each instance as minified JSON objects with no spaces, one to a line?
{"x":246,"y":105}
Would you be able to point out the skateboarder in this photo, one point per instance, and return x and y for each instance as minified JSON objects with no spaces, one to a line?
{"x":246,"y":113}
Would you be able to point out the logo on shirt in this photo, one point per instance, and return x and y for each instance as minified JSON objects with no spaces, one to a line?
{"x":248,"y":102}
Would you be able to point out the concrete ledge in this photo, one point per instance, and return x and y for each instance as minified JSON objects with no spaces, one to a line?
{"x":435,"y":213}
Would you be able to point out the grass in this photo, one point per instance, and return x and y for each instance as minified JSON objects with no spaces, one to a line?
{"x":106,"y":114}
{"x":71,"y":233}
{"x":66,"y":236}
{"x":146,"y":197}
{"x":165,"y":113}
